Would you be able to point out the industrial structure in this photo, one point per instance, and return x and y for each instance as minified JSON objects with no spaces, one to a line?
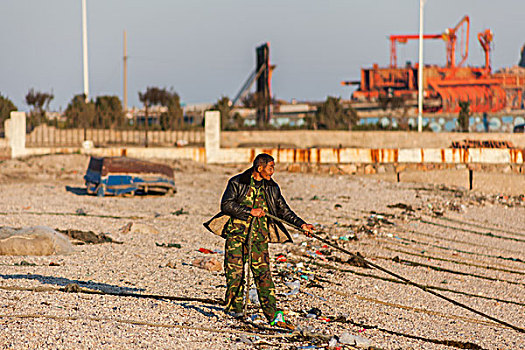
{"x":446,"y":86}
{"x":261,"y":76}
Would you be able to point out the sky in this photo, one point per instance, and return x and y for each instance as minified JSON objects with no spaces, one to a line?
{"x":205,"y":49}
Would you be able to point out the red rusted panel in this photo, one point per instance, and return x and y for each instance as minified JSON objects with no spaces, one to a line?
{"x":514,"y":153}
{"x":374,"y":155}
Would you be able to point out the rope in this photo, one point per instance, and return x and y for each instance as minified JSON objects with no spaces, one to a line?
{"x":466,"y":263}
{"x":407,"y":281}
{"x":477,"y":225}
{"x":72,"y":214}
{"x":421,"y":310}
{"x":160,"y":325}
{"x":488,"y":234}
{"x":457,"y":250}
{"x":473,"y":244}
{"x":393,"y":280}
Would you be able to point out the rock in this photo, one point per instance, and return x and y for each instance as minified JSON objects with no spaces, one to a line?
{"x":72,"y":288}
{"x":355,"y":340}
{"x":369,"y":169}
{"x":334,"y":169}
{"x":294,"y":168}
{"x":208,"y":263}
{"x":348,"y":168}
{"x":38,"y":240}
{"x":139,"y":228}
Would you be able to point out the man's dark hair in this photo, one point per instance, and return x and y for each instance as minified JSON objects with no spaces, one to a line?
{"x":261,"y":160}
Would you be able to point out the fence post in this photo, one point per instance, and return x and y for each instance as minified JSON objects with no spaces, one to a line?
{"x":17,"y":134}
{"x":212,"y":134}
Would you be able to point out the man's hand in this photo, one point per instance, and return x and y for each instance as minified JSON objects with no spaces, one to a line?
{"x":257,"y":212}
{"x":307,"y":229}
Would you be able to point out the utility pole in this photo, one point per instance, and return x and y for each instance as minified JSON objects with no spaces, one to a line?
{"x":125,"y":87}
{"x":420,"y":70}
{"x":85,"y":48}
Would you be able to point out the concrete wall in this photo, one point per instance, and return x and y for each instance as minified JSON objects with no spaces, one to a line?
{"x":215,"y":152}
{"x":357,"y":139}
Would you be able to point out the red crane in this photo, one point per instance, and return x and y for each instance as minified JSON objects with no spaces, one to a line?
{"x":485,"y":38}
{"x":449,"y":36}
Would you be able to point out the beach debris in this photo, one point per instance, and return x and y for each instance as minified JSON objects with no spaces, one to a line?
{"x":244,"y":339}
{"x":465,"y":144}
{"x":207,"y":263}
{"x":294,"y":286}
{"x":168,"y":245}
{"x":401,"y":206}
{"x":72,"y":288}
{"x":87,"y":237}
{"x":356,"y":260}
{"x":258,"y":319}
{"x":80,"y":212}
{"x":354,"y":340}
{"x":179,"y":212}
{"x":37,"y":240}
{"x":254,"y":297}
{"x":313,"y":313}
{"x":280,"y":258}
{"x":206,"y":251}
{"x":24,"y":263}
{"x":171,"y":265}
{"x":127,"y":176}
{"x":138,"y":228}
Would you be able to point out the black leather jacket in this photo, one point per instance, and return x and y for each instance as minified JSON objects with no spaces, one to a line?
{"x":235,"y":193}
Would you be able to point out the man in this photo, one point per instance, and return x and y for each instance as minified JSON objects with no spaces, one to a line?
{"x":246,"y":200}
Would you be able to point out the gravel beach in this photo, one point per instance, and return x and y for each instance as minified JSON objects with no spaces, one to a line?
{"x":467,"y":246}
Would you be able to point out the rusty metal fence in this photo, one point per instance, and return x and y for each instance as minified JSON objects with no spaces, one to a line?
{"x":49,"y":136}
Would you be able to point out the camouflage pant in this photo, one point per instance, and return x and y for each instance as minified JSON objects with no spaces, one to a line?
{"x":235,"y":255}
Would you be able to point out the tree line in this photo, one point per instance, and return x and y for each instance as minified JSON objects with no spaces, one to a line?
{"x":163,"y":111}
{"x":103,"y":112}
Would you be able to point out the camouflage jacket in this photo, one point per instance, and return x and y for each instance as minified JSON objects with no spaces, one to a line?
{"x":231,"y":206}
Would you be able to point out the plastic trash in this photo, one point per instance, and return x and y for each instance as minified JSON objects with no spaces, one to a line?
{"x":254,"y":297}
{"x":206,"y":251}
{"x":168,"y":245}
{"x":294,"y":284}
{"x":280,"y":258}
{"x":355,"y":340}
{"x":292,"y":292}
{"x":315,"y":296}
{"x":315,"y":311}
{"x":332,"y":343}
{"x":257,"y":319}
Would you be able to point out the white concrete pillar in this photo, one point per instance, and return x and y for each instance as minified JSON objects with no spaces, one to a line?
{"x":17,"y":134}
{"x":7,"y":124}
{"x":212,"y":135}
